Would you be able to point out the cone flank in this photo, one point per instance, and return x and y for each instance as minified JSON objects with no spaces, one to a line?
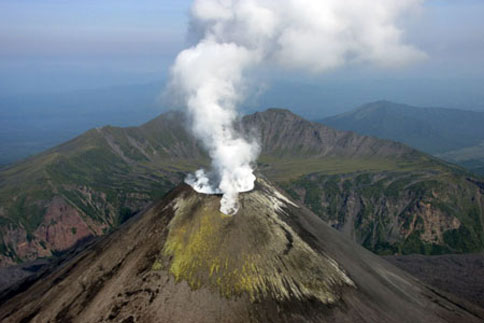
{"x":183,"y":260}
{"x":240,"y":254}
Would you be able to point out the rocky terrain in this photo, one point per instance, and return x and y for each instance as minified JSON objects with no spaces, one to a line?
{"x":397,"y":212}
{"x":461,"y":275}
{"x":182,"y":260}
{"x":384,"y":195}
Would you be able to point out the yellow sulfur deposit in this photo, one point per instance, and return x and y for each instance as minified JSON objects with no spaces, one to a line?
{"x":253,"y":252}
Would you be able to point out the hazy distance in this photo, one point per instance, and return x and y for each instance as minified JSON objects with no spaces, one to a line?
{"x":66,"y":67}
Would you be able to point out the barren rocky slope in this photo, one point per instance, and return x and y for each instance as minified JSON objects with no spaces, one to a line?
{"x":461,"y":275}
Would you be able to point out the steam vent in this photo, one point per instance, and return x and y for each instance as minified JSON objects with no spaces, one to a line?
{"x":274,"y":261}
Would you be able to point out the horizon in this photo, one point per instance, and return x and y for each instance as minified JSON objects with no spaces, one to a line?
{"x":56,"y":47}
{"x":69,"y":67}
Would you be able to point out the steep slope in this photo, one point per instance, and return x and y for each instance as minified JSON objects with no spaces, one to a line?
{"x":184,"y":261}
{"x":283,"y":134}
{"x":381,"y":193}
{"x":461,"y":275}
{"x":404,"y":212}
{"x":455,"y":135}
{"x":384,"y":195}
{"x":90,"y":185}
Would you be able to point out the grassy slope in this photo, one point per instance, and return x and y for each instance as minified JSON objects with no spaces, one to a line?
{"x":287,"y":170}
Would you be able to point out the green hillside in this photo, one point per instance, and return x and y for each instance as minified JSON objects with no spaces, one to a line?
{"x":385,"y":195}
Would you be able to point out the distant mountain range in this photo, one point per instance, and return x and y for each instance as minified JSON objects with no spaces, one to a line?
{"x":385,"y":195}
{"x":31,"y":123}
{"x":454,"y":135}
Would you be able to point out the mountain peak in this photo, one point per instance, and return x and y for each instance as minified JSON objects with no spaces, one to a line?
{"x":377,"y":107}
{"x":279,"y":110}
{"x":253,"y":252}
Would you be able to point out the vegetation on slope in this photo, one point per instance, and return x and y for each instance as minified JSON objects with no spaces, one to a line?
{"x":401,"y":212}
{"x":385,"y":195}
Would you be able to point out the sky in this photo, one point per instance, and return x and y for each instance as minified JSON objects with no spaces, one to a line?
{"x":58,"y":45}
{"x":53,"y":46}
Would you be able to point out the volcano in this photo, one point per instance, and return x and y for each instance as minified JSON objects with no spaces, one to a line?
{"x":182,"y":260}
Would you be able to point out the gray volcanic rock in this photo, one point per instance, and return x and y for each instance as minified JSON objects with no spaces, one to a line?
{"x":285,"y":134}
{"x":461,"y":275}
{"x":274,"y":261}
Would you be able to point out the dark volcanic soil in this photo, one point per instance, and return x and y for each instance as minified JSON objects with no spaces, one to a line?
{"x":183,"y":261}
{"x":461,"y":275}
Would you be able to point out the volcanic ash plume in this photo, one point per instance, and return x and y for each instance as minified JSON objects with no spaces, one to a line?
{"x":234,"y":37}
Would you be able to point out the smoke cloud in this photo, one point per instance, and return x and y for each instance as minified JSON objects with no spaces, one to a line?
{"x":235,"y":36}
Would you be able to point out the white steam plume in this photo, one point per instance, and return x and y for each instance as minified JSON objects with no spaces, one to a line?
{"x":237,"y":35}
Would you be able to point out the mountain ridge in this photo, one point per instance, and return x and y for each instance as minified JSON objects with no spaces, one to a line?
{"x":452,"y":134}
{"x":93,"y":183}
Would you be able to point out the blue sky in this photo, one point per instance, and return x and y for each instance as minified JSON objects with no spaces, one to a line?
{"x":61,"y":45}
